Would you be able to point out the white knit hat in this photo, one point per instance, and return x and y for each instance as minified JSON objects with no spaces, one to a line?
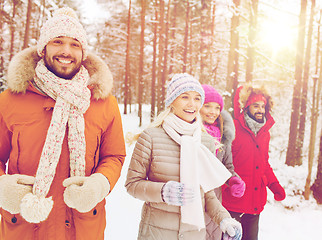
{"x":180,"y":83}
{"x":64,"y":23}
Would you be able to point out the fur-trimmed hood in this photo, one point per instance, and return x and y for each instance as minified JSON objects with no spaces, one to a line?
{"x":228,"y":127}
{"x":247,"y":90}
{"x":21,"y":70}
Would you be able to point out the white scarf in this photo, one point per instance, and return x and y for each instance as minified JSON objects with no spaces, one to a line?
{"x":198,"y":166}
{"x":72,"y":101}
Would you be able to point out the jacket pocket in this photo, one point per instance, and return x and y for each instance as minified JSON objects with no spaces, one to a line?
{"x":16,"y":227}
{"x":97,"y":154}
{"x":95,"y":220}
{"x":14,"y":155}
{"x":92,"y":153}
{"x":144,"y":220}
{"x":11,"y":219}
{"x":264,"y":179}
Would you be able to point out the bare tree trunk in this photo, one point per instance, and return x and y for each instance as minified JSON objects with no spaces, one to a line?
{"x":233,"y":58}
{"x":127,"y":61}
{"x":314,"y":116}
{"x":12,"y":29}
{"x":141,"y":61}
{"x":27,"y":31}
{"x":212,"y":32}
{"x":251,"y":41}
{"x":317,"y":186}
{"x":186,"y":37}
{"x":173,"y":35}
{"x":42,"y":18}
{"x":161,"y":55}
{"x":213,"y":65}
{"x":154,"y":65}
{"x":203,"y":36}
{"x":291,"y":158}
{"x":300,"y":141}
{"x":190,"y":43}
{"x":164,"y":74}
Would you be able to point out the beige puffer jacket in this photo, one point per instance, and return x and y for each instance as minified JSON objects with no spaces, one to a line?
{"x":156,"y":160}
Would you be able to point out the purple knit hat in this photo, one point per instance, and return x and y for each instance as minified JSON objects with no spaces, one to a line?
{"x":211,"y":95}
{"x":180,"y":83}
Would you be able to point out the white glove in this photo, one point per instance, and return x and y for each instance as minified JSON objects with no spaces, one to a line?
{"x":231,"y":228}
{"x":12,"y":189}
{"x":84,"y":193}
{"x":175,"y":193}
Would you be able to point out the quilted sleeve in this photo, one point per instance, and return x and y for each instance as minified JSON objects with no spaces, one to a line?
{"x":137,"y":183}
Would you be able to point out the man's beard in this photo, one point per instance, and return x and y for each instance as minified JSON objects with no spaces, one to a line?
{"x":51,"y":67}
{"x":256,"y":119}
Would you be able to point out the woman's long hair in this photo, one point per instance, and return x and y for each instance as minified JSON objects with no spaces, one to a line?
{"x":130,"y":137}
{"x":220,"y":124}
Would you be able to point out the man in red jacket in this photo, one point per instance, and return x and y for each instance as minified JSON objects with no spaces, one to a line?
{"x":253,"y":120}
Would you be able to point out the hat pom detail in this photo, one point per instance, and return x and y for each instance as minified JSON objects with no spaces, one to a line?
{"x":65,"y":11}
{"x":35,"y":209}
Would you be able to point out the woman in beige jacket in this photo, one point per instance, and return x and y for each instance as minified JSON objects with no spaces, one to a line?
{"x":173,"y":169}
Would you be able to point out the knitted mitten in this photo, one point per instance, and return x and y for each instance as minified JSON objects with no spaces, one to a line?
{"x":237,"y":186}
{"x":231,"y":228}
{"x":12,"y":189}
{"x":175,"y":193}
{"x":84,"y":193}
{"x":278,"y":190}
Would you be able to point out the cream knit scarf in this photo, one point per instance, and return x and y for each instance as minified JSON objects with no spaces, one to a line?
{"x":198,"y":165}
{"x":72,"y":100}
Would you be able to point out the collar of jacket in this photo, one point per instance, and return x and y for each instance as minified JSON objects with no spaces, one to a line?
{"x":21,"y":72}
{"x":269,"y":123}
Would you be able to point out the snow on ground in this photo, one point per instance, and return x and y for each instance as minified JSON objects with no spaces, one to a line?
{"x":294,"y":218}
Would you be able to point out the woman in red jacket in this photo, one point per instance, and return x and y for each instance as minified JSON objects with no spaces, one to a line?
{"x":253,"y":120}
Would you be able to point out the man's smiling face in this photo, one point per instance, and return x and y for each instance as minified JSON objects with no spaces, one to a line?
{"x":257,"y":111}
{"x":63,"y":56}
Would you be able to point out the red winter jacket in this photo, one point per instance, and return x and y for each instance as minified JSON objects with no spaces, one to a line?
{"x":250,"y":159}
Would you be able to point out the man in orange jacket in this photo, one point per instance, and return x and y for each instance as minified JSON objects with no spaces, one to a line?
{"x":61,"y":144}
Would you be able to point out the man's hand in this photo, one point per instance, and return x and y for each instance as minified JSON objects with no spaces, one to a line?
{"x":278,"y":190}
{"x":84,"y":193}
{"x":12,"y":189}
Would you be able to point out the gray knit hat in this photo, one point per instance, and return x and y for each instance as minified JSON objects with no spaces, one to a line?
{"x":180,"y":83}
{"x":64,"y":23}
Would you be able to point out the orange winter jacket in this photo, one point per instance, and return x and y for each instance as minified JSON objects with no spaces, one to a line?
{"x":25,"y":114}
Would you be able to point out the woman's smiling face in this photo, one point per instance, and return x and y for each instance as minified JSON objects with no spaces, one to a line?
{"x":210,"y":112}
{"x":187,"y":105}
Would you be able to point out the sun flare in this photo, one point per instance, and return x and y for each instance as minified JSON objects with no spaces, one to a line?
{"x":278,"y":33}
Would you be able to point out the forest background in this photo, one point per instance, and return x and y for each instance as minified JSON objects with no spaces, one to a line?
{"x":225,"y":43}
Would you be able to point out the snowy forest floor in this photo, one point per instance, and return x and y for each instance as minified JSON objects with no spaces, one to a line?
{"x":294,"y":218}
